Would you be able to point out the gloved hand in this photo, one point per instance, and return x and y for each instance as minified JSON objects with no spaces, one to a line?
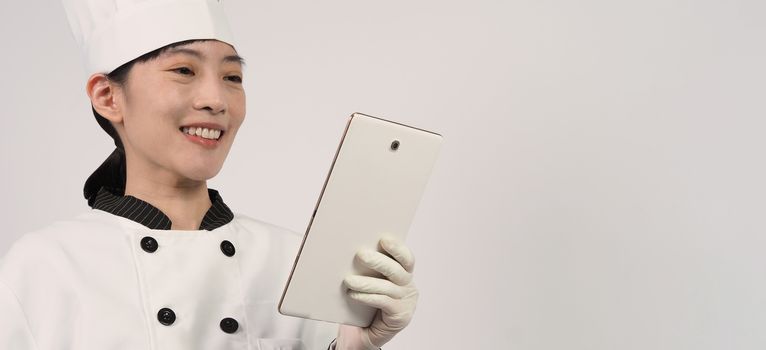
{"x":395,"y":296}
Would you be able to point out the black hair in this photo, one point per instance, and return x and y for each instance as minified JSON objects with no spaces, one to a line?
{"x":112,"y":173}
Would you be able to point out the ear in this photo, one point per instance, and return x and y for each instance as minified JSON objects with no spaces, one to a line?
{"x":104,"y":96}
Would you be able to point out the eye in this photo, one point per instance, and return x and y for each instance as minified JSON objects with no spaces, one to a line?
{"x":235,"y":78}
{"x":183,"y":70}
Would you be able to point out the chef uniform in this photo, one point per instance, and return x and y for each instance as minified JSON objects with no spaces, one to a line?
{"x":116,"y":276}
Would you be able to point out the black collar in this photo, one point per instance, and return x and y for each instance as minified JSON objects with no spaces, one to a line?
{"x":146,"y":214}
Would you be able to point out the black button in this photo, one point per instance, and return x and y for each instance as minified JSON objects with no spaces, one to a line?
{"x":166,"y":316}
{"x":229,"y":325}
{"x":227,"y":248}
{"x":149,"y":244}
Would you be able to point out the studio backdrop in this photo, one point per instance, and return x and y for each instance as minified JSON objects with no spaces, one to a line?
{"x":601,"y":184}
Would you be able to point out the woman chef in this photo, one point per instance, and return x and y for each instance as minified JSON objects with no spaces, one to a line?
{"x":160,"y":262}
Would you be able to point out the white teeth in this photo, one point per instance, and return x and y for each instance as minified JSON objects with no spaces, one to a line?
{"x":212,"y":134}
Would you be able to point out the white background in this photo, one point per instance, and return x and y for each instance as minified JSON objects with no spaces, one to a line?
{"x":601,"y":185}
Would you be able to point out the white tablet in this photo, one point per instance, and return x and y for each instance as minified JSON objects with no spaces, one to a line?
{"x":373,"y":189}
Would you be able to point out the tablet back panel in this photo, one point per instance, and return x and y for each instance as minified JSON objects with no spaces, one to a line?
{"x":371,"y":191}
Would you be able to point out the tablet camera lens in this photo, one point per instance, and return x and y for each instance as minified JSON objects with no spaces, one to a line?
{"x":395,"y":145}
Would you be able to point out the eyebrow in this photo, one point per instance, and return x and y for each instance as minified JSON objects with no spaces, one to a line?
{"x":199,"y":55}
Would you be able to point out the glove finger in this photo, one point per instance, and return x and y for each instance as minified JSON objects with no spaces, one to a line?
{"x":375,"y":286}
{"x":399,"y":251}
{"x":379,"y":301}
{"x":385,"y":265}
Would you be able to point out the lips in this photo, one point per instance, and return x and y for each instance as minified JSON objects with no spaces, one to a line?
{"x":204,"y":134}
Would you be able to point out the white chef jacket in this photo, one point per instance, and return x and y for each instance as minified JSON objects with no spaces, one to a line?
{"x":87,"y":283}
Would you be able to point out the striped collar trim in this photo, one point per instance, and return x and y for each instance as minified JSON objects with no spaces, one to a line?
{"x":113,"y":201}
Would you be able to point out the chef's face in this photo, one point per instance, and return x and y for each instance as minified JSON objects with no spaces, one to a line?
{"x":190,"y":89}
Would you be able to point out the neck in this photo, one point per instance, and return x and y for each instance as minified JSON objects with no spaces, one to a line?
{"x":185,"y":202}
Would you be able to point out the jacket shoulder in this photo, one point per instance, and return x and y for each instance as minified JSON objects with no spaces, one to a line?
{"x":281,"y":241}
{"x":251,"y":223}
{"x":85,"y":222}
{"x":43,"y":246}
{"x":35,"y":267}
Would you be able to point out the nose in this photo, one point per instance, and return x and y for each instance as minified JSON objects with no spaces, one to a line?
{"x":210,"y":96}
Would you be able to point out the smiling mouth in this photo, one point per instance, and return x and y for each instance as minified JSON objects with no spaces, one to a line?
{"x":205,"y":133}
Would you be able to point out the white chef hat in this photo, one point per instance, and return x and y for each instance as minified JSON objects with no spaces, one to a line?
{"x":111,"y":33}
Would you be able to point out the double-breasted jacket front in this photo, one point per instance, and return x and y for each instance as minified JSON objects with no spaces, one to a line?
{"x":104,"y":281}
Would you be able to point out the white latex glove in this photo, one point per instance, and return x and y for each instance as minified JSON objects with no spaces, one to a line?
{"x":394,"y":296}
